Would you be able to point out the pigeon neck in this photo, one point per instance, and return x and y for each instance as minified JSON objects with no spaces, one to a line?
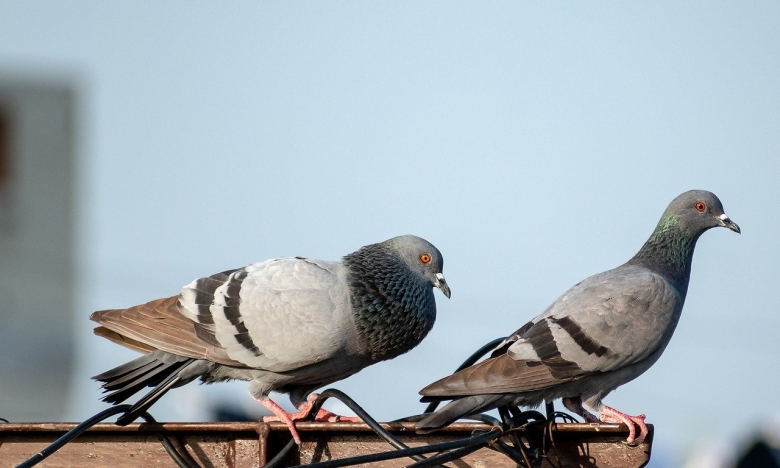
{"x":394,"y":309}
{"x":669,"y":252}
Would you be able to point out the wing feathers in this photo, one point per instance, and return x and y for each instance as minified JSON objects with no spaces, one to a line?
{"x":501,"y":374}
{"x":159,"y":324}
{"x":199,"y":295}
{"x":123,"y":340}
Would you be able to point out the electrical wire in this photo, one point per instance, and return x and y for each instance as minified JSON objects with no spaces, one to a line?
{"x":81,"y":428}
{"x":381,"y":456}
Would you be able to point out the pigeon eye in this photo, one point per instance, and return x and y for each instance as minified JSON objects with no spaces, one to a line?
{"x":425,"y":258}
{"x":700,"y":206}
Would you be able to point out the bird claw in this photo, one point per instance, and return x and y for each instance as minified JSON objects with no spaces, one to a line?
{"x":612,"y":415}
{"x":289,"y":419}
{"x":606,"y":419}
{"x":304,"y":409}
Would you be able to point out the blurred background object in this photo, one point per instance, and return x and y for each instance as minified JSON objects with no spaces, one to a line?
{"x":37,"y":228}
{"x":760,"y":455}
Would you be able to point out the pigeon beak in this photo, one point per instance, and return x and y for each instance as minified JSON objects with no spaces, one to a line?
{"x":725,"y":221}
{"x":441,"y":283}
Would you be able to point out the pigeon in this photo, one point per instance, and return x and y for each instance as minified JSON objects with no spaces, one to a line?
{"x":603,"y":332}
{"x":289,"y":325}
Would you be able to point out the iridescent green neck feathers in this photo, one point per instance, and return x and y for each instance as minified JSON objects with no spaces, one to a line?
{"x":669,"y":252}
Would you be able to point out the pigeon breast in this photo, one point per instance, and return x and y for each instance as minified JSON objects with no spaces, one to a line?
{"x":394,"y":307}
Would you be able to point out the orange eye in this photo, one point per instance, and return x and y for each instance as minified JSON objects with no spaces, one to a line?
{"x":700,"y":206}
{"x":425,"y":258}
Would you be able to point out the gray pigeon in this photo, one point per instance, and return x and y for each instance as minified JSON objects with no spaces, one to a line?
{"x":288,"y":325}
{"x":600,"y":334}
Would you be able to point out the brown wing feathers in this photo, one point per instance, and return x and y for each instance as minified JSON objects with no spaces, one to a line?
{"x":123,"y":340}
{"x":500,"y":374}
{"x":159,"y":325}
{"x":506,"y":373}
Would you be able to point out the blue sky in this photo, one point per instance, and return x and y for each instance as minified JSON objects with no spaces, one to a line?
{"x":534,"y":144}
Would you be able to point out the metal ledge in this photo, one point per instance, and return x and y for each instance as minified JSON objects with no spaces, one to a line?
{"x":245,"y":445}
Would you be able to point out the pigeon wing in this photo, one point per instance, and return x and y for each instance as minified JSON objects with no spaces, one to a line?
{"x":606,"y":322}
{"x":159,"y":324}
{"x":278,"y":315}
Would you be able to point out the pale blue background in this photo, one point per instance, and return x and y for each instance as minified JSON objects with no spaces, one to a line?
{"x":533,"y":143}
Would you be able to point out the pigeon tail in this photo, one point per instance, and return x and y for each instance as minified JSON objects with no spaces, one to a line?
{"x":457,"y":409}
{"x":157,"y":369}
{"x":149,"y":399}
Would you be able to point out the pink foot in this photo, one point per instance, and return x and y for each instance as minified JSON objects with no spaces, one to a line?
{"x":281,"y":415}
{"x":575,"y":405}
{"x":612,"y":415}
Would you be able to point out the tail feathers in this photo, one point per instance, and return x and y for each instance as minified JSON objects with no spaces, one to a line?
{"x":156,"y":375}
{"x":457,"y":409}
{"x":131,"y":376}
{"x":125,"y":368}
{"x":157,"y":369}
{"x":149,"y":399}
{"x":157,"y":356}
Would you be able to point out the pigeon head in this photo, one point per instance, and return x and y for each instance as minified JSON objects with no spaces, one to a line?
{"x":669,"y":250}
{"x":422,"y":258}
{"x":696,"y":211}
{"x":391,"y":289}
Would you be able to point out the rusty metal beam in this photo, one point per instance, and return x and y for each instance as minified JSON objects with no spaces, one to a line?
{"x":245,"y":445}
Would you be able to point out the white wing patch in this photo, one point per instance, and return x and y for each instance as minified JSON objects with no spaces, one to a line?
{"x":280,"y":314}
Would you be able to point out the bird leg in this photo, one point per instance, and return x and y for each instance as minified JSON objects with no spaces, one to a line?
{"x":281,"y":415}
{"x":574,"y":404}
{"x":612,"y":415}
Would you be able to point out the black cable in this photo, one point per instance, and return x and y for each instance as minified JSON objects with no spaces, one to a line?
{"x":565,"y":416}
{"x":512,"y":418}
{"x":445,"y":457}
{"x":81,"y":428}
{"x":526,"y":417}
{"x":357,"y":409}
{"x":72,"y":434}
{"x":517,"y":456}
{"x":506,"y":418}
{"x":549,"y":409}
{"x":361,"y":413}
{"x":392,"y":454}
{"x":4,"y":420}
{"x":279,"y":458}
{"x":485,"y":418}
{"x":468,"y":362}
{"x":177,"y":457}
